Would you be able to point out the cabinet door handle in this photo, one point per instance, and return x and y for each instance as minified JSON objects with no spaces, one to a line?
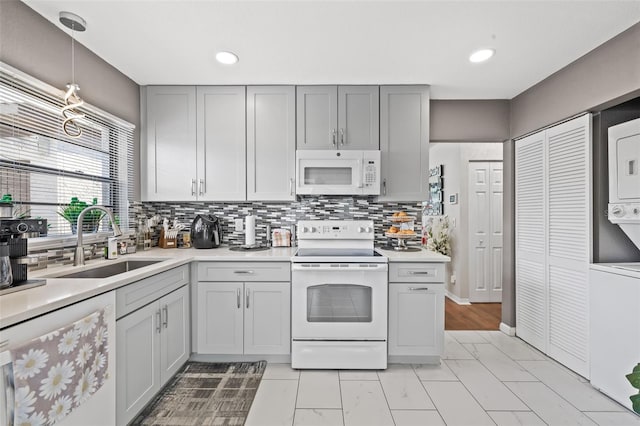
{"x":418,"y":288}
{"x":290,"y":186}
{"x":246,"y":296}
{"x":193,"y":187}
{"x":333,"y":137}
{"x":202,"y":187}
{"x":342,"y":136}
{"x":158,"y":321}
{"x":238,"y":297}
{"x":384,"y":187}
{"x":247,"y":272}
{"x":419,"y":273}
{"x":165,"y":322}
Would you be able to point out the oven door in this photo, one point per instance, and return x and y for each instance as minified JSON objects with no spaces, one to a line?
{"x":339,"y":301}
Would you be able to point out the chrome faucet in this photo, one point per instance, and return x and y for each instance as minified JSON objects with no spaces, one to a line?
{"x":78,"y":259}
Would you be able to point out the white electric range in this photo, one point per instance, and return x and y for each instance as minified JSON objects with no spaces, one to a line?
{"x":339,"y":288}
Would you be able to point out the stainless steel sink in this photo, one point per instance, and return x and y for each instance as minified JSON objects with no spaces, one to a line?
{"x":111,"y":269}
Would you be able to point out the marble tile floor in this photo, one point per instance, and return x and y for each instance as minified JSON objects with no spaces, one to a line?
{"x":485,"y":378}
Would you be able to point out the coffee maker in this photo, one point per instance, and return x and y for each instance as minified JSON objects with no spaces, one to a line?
{"x":13,"y":238}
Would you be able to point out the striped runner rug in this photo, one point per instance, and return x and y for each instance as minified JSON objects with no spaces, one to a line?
{"x":204,"y":393}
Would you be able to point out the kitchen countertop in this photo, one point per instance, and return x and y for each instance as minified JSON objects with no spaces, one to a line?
{"x":60,"y":292}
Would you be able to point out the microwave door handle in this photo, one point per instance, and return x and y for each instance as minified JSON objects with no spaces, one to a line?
{"x":360,"y":173}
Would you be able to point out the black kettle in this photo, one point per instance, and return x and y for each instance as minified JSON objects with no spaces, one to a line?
{"x":206,"y":232}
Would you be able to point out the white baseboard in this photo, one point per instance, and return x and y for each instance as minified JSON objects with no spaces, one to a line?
{"x":457,"y":299}
{"x":508,"y":330}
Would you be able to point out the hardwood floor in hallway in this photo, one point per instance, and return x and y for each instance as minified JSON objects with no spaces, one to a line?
{"x":477,"y":316}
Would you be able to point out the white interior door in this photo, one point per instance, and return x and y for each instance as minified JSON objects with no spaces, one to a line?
{"x":485,"y":231}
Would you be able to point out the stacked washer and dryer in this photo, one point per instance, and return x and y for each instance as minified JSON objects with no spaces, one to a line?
{"x":615,"y":287}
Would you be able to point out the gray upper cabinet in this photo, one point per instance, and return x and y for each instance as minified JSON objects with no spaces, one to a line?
{"x":221,"y":143}
{"x":170,"y":144}
{"x":338,"y":117}
{"x":404,"y":143}
{"x":317,"y":114}
{"x":271,"y":125}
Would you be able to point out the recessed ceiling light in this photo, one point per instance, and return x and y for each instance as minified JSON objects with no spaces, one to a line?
{"x":227,"y":58}
{"x":481,"y":55}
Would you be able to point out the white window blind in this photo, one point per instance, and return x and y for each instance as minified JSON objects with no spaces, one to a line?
{"x":43,"y":169}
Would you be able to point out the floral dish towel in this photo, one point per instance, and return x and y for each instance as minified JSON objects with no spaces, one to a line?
{"x":57,"y":372}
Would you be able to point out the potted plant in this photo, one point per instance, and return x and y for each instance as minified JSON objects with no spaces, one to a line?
{"x":91,"y":220}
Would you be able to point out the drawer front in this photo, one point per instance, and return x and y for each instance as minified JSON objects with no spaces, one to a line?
{"x":244,"y":271}
{"x":416,"y":272}
{"x":137,"y":294}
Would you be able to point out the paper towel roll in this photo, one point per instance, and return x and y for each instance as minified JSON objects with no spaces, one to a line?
{"x":250,"y":230}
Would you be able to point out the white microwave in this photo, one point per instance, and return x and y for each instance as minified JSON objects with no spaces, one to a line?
{"x":331,"y":172}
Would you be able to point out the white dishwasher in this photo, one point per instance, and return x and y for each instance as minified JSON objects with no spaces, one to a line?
{"x":100,"y":408}
{"x":615,"y":328}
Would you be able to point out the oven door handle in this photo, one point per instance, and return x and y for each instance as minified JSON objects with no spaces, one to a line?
{"x":342,"y":267}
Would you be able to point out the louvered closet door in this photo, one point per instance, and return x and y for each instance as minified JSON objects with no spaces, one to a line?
{"x":569,"y":254}
{"x":531,"y":293}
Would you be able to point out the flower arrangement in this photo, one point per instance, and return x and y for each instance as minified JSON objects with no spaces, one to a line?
{"x":439,"y":235}
{"x":91,"y":220}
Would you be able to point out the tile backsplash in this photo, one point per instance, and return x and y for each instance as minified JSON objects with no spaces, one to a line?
{"x":283,"y":214}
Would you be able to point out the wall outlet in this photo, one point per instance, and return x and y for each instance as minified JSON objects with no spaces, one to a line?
{"x":453,"y":279}
{"x":238,"y":223}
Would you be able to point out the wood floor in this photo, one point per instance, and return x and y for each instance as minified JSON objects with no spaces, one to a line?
{"x":477,"y":316}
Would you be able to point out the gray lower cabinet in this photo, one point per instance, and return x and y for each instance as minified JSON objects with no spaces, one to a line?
{"x":338,"y":117}
{"x":246,"y":312}
{"x":416,"y":312}
{"x":404,"y":143}
{"x":153,"y":343}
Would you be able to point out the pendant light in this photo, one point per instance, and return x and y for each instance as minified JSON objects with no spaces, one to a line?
{"x":71,"y":98}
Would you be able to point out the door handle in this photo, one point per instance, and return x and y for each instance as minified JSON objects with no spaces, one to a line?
{"x":418,"y":288}
{"x":384,"y":187}
{"x":238,"y":297}
{"x":247,"y":272}
{"x":333,"y":137}
{"x":158,"y":321}
{"x":246,"y":295}
{"x":290,"y":186}
{"x":165,"y":310}
{"x":342,"y":136}
{"x":419,"y":272}
{"x":202,"y":187}
{"x":193,"y":187}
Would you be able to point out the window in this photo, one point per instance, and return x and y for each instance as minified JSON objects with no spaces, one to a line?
{"x":43,"y":169}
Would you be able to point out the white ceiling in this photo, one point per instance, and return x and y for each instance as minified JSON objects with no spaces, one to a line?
{"x":346,"y":42}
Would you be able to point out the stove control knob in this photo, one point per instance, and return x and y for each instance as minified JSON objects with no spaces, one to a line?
{"x":368,"y":229}
{"x":305,"y":229}
{"x":617,"y":211}
{"x":313,"y":229}
{"x":361,"y":229}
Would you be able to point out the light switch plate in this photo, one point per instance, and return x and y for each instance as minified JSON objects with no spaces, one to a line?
{"x":238,"y":223}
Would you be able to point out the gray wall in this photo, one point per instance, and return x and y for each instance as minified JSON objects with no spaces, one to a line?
{"x":606,"y":75}
{"x":35,"y":46}
{"x":469,"y":120}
